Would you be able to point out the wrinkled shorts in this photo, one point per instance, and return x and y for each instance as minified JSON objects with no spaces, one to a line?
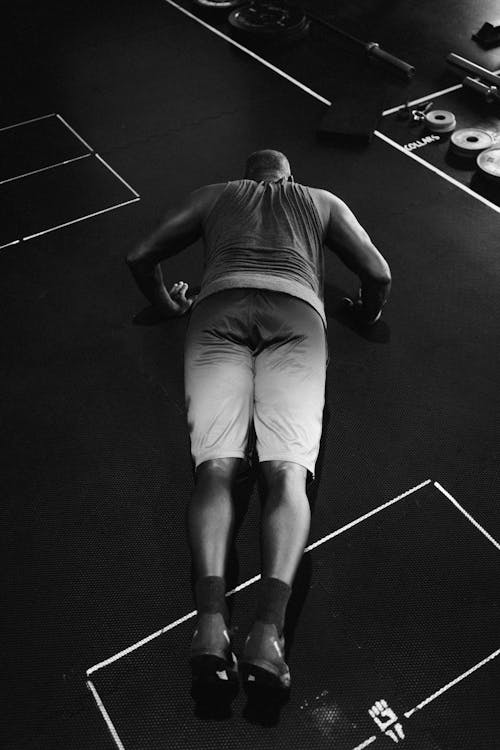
{"x":254,"y":371}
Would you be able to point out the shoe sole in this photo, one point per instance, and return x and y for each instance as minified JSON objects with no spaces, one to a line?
{"x":208,"y":667}
{"x":262,"y":674}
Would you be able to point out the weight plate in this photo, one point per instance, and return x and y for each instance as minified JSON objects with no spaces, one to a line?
{"x":268,"y":21}
{"x":470,"y":141}
{"x":440,"y":121}
{"x":488,"y":163}
{"x":217,"y":4}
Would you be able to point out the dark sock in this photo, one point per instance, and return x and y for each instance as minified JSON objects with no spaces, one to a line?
{"x":272,"y":601}
{"x":210,"y":596}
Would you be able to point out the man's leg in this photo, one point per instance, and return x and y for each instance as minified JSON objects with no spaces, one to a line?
{"x":210,"y":524}
{"x":219,"y":403}
{"x":211,"y":515}
{"x":218,"y":372}
{"x":286,"y":519}
{"x":290,"y":371}
{"x":285,"y":528}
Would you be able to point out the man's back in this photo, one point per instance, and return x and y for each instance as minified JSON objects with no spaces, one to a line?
{"x":266,"y":234}
{"x":208,"y":195}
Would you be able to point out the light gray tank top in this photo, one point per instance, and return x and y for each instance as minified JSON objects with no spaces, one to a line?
{"x":265,"y":235}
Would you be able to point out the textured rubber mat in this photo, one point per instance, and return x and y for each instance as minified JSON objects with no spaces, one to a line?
{"x":399,"y":607}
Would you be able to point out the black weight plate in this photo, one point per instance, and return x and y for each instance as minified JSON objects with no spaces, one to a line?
{"x":217,"y":5}
{"x":215,"y":9}
{"x":268,"y":21}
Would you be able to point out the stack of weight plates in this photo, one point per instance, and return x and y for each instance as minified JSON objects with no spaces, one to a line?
{"x":216,"y":8}
{"x":218,"y":4}
{"x":268,"y":22}
{"x":488,"y":163}
{"x":440,"y":121}
{"x":469,"y":142}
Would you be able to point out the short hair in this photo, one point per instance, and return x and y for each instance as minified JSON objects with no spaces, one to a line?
{"x":267,"y":162}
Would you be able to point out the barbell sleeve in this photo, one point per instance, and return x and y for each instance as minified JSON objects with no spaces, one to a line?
{"x":374,"y":50}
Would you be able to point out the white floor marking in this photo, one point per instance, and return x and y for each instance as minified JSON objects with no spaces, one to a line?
{"x":75,"y":133}
{"x":117,"y":175}
{"x":244,"y":585}
{"x":9,"y":244}
{"x":437,"y":171}
{"x":81,"y":218}
{"x":452,"y":683}
{"x":426,"y":98}
{"x":105,"y":715}
{"x":26,"y":122}
{"x":366,"y":515}
{"x":467,"y":515}
{"x":250,"y":53}
{"x":365,"y":743}
{"x":320,"y":98}
{"x":44,"y":169}
{"x":135,"y":646}
{"x":386,"y":720}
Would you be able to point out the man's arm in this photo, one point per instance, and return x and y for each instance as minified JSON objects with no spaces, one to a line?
{"x":181,"y":227}
{"x":347,"y":238}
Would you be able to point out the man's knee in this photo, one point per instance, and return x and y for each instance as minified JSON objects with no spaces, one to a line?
{"x":223,"y":469}
{"x":279,"y":473}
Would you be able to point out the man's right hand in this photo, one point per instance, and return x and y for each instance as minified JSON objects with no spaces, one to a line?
{"x":178,"y":304}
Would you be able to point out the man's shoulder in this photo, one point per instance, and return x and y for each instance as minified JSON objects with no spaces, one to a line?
{"x":208,"y":191}
{"x":320,"y":194}
{"x":205,"y":197}
{"x":324,"y":201}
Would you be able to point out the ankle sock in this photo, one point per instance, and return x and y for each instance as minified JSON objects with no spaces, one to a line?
{"x":210,"y":596}
{"x":272,"y":602}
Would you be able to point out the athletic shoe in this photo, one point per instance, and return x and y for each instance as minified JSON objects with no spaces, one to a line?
{"x":211,"y":655}
{"x":263,"y":663}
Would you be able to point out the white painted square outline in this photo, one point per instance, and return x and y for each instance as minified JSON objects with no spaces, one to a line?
{"x":91,"y":152}
{"x":49,"y":166}
{"x":328,"y":537}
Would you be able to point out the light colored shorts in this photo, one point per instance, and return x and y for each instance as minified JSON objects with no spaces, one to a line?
{"x":255,"y":369}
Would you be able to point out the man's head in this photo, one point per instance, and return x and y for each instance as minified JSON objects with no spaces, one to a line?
{"x":267,"y":165}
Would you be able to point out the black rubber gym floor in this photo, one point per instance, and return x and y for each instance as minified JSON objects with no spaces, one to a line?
{"x":393,"y":628}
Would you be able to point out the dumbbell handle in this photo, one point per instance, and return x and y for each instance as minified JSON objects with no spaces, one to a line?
{"x":476,"y":70}
{"x":375,"y":50}
{"x":490,"y":93}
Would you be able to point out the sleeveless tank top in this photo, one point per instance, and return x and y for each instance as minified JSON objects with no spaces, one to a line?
{"x":265,"y":235}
